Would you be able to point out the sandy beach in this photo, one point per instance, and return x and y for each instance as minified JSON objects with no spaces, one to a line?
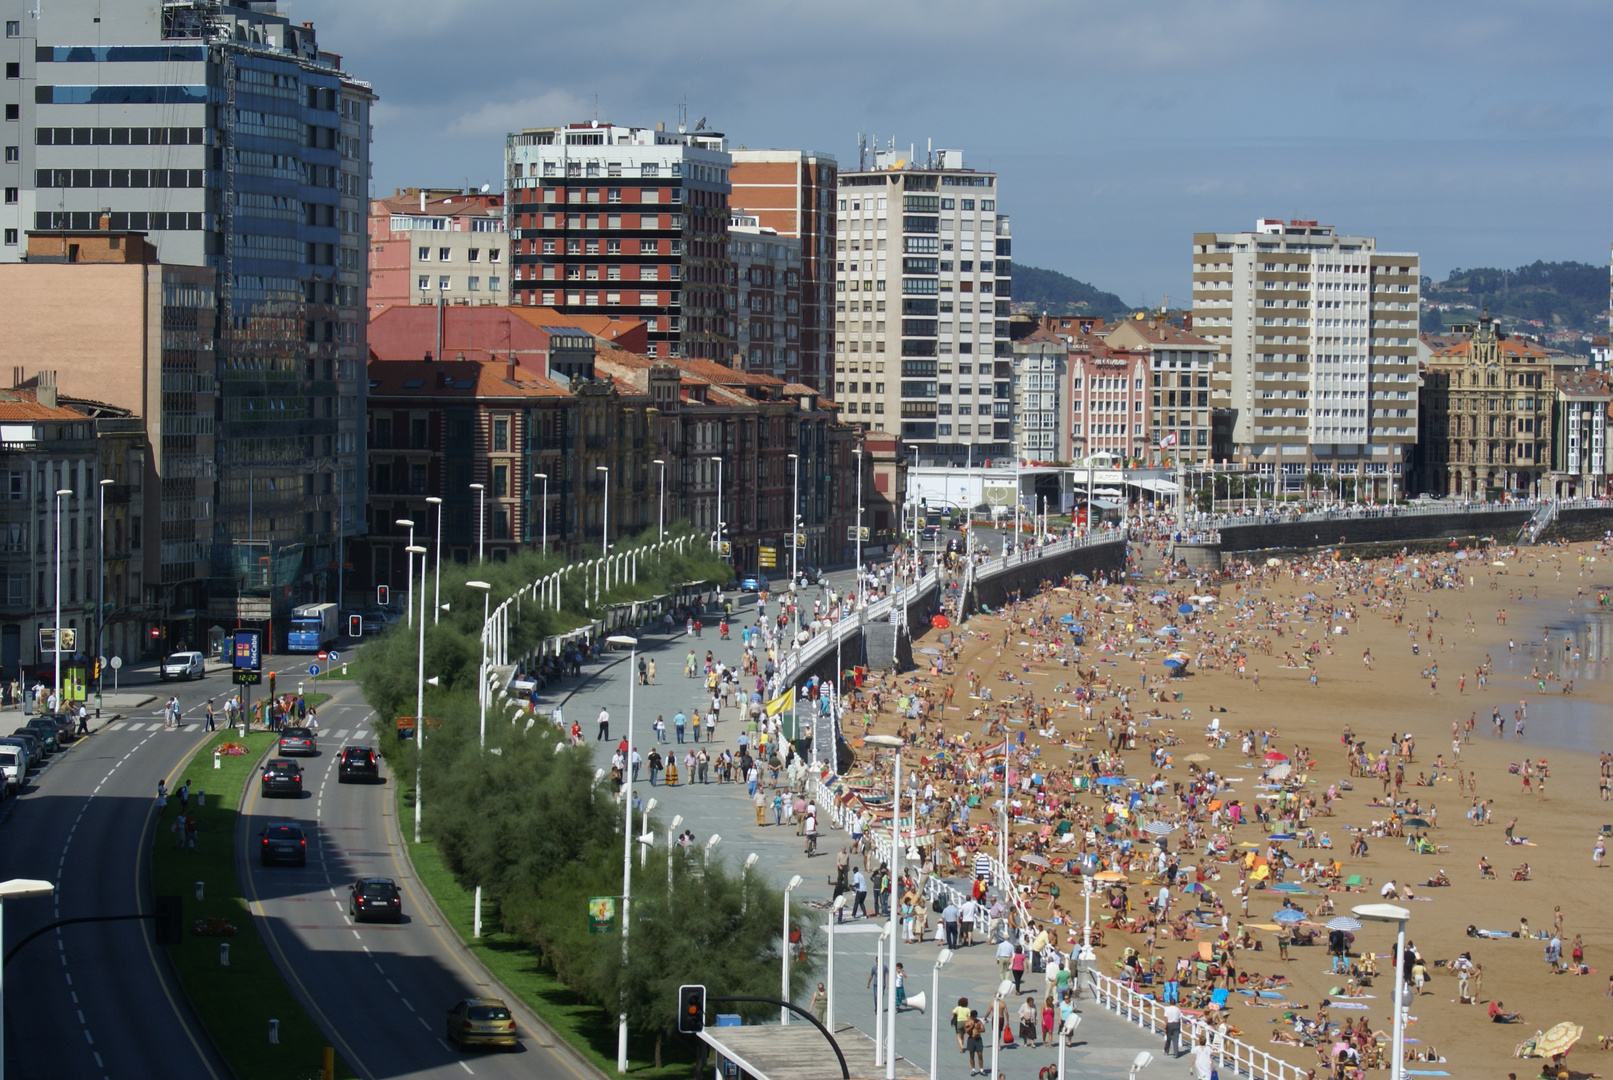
{"x":1384,"y":650}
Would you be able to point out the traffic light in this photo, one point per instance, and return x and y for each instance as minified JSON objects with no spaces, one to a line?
{"x":170,"y":920}
{"x":691,"y":1009}
{"x":355,"y":626}
{"x":383,"y":595}
{"x":96,"y":672}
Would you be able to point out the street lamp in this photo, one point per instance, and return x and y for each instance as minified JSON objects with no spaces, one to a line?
{"x":409,"y":567}
{"x":784,"y":946}
{"x":1398,"y":916}
{"x":859,"y":531}
{"x":942,"y":958}
{"x":999,"y":1013}
{"x":718,"y":460}
{"x":419,"y":682}
{"x":436,"y":588}
{"x":543,"y":508}
{"x":646,"y":838}
{"x":481,"y":519}
{"x":671,"y":845}
{"x":16,"y":889}
{"x":895,"y":743}
{"x":481,"y":672}
{"x":829,"y":963}
{"x":660,"y":514}
{"x":56,"y":644}
{"x":100,"y":604}
{"x":795,"y":522}
{"x":604,"y":533}
{"x":627,"y":841}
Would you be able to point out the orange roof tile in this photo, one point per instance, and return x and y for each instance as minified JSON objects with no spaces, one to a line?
{"x":458,"y":379}
{"x":22,"y":404}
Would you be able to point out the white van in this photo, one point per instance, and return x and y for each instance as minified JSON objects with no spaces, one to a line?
{"x":12,"y":767}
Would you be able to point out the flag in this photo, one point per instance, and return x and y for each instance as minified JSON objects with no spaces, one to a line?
{"x":783,"y":703}
{"x":1168,"y":440}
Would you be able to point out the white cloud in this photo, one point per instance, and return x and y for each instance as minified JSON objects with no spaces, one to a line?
{"x":501,"y":117}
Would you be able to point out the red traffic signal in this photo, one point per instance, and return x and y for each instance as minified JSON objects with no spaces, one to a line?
{"x":355,"y":626}
{"x":383,"y":595}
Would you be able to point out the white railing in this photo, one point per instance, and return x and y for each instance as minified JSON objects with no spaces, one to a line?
{"x":1149,"y":1014}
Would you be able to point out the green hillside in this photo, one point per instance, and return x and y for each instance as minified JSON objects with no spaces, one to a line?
{"x":1059,"y":294}
{"x":1539,"y":298}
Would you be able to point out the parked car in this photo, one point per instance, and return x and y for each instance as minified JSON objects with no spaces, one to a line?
{"x":66,"y":726}
{"x":21,"y":746}
{"x":755,"y":583}
{"x":358,"y":763}
{"x":282,"y":777}
{"x":37,"y":751}
{"x":298,"y":740}
{"x":184,"y":665}
{"x":282,"y":841}
{"x":481,"y":1021}
{"x":13,"y":767}
{"x":374,"y":898}
{"x":45,"y":728}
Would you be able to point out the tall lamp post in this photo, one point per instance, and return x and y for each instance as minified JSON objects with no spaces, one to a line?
{"x":627,"y":841}
{"x":419,"y":686}
{"x":784,"y":948}
{"x":895,"y":744}
{"x":543,"y":508}
{"x":859,"y":530}
{"x":481,"y":672}
{"x":15,"y":889}
{"x":604,"y":535}
{"x":1398,"y":916}
{"x":56,"y":643}
{"x":795,"y":521}
{"x":718,"y":460}
{"x":100,"y":603}
{"x":660,"y":514}
{"x":436,"y":556}
{"x":408,"y":572}
{"x":481,"y":519}
{"x":942,"y":958}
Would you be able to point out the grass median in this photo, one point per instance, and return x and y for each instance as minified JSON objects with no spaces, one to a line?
{"x":235,"y":1003}
{"x":588,"y":1029}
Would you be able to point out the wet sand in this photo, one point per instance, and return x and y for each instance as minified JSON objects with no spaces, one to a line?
{"x":1393,"y":697}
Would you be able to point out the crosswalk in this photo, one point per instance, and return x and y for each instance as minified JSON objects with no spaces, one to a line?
{"x":134,"y":725}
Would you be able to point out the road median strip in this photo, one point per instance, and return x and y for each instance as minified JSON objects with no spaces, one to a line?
{"x":236,"y":1002}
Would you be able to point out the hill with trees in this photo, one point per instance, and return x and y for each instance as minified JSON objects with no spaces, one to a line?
{"x":1543,"y":298}
{"x":1039,"y":290}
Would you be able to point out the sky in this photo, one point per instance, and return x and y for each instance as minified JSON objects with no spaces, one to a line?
{"x":1473,"y":133}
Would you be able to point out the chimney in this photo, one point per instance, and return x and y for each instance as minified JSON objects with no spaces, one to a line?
{"x":104,"y":223}
{"x":422,"y":200}
{"x":45,"y":389}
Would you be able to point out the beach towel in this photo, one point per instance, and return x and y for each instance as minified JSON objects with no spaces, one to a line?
{"x":1347,"y":1005}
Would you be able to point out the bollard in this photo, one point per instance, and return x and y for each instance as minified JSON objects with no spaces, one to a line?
{"x":201,"y":798}
{"x":198,"y":890}
{"x":327,"y":1064}
{"x":274,"y":1033}
{"x":344,"y":669}
{"x":216,"y":762}
{"x":223,"y":954}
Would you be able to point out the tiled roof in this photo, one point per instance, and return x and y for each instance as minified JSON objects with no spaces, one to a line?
{"x":457,"y":379}
{"x":1584,"y":383}
{"x":21,"y":404}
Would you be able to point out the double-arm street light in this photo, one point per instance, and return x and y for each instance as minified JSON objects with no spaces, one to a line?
{"x":543,"y":508}
{"x":481,"y":519}
{"x":631,"y":643}
{"x":660,"y":515}
{"x":1397,"y":915}
{"x":408,"y":572}
{"x":100,"y":603}
{"x":604,"y":536}
{"x":419,"y":686}
{"x":436,"y":588}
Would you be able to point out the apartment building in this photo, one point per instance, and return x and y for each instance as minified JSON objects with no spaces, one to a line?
{"x":625,"y":221}
{"x":768,"y":290}
{"x":1181,"y":365}
{"x":438,"y":246}
{"x":234,"y":142}
{"x":792,"y":192}
{"x":923,"y":273}
{"x":1318,"y":334}
{"x":1041,"y":427}
{"x":1109,"y":394}
{"x":119,"y":328}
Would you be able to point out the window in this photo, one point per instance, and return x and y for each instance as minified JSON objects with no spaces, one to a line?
{"x":493,"y":284}
{"x":473,"y":284}
{"x":475,"y":254}
{"x":443,"y":254}
{"x":425,"y":254}
{"x":501,"y":434}
{"x":442,"y":283}
{"x":11,"y":195}
{"x":13,"y":112}
{"x":13,"y":28}
{"x":12,"y":155}
{"x":501,"y":481}
{"x":492,"y":255}
{"x":425,"y":281}
{"x":11,"y":237}
{"x":13,"y":70}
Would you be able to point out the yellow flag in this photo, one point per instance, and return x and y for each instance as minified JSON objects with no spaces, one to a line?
{"x":782,"y":703}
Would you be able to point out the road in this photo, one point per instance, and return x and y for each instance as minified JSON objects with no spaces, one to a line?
{"x":101,"y":993}
{"x":380,"y":992}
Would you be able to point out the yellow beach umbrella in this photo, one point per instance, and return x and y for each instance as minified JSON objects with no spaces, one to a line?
{"x":1559,"y":1040}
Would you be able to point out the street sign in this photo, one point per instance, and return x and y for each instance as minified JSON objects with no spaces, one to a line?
{"x":334,"y":656}
{"x":800,"y":540}
{"x":47,"y":639}
{"x":117,"y":662}
{"x":852,"y":531}
{"x":323,"y":655}
{"x":313,"y":669}
{"x":725,"y":549}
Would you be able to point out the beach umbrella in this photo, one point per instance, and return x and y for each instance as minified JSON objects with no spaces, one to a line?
{"x":1034,"y":860}
{"x":1418,"y":823}
{"x":1343,"y":922}
{"x":1247,"y":844}
{"x":1159,"y":828}
{"x":940,"y":622}
{"x":1108,"y":875}
{"x":1279,"y":770}
{"x":1197,"y":757}
{"x":1184,"y":609}
{"x":1260,"y":873}
{"x":1280,"y":836}
{"x":1276,"y":755}
{"x":1174,"y":663}
{"x":1109,"y":781}
{"x":1289,"y":915}
{"x":1559,"y":1040}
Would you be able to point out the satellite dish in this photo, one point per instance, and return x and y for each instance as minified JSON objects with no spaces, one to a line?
{"x":485,"y":188}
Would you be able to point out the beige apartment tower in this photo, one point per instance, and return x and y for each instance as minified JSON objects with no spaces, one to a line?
{"x":1318,"y":341}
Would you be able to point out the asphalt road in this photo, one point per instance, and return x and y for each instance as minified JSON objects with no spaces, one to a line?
{"x":379,"y":991}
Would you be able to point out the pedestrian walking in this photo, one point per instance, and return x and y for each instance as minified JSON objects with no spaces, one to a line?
{"x":604,"y":725}
{"x":212,"y":721}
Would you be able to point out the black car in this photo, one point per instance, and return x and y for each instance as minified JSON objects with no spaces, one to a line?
{"x":298,"y":740}
{"x":282,"y":842}
{"x":282,"y":777}
{"x":375,"y":898}
{"x":358,"y":763}
{"x":37,"y":750}
{"x":48,"y":733}
{"x":66,"y":725}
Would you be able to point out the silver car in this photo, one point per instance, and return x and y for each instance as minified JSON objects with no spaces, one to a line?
{"x":184,"y":665}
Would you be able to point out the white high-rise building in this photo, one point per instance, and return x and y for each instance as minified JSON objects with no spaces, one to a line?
{"x":922,"y":281}
{"x":1318,"y":336}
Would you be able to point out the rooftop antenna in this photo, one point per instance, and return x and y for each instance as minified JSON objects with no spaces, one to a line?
{"x":596,"y":109}
{"x":929,"y":153}
{"x":862,"y":152}
{"x":683,"y":115}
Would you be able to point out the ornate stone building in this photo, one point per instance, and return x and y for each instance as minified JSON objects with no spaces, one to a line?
{"x":1486,"y":417}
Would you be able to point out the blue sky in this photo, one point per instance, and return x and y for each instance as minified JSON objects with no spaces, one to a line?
{"x":1475,"y":133}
